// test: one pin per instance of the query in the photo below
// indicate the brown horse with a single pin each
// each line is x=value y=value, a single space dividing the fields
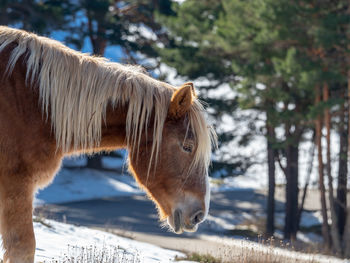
x=56 y=102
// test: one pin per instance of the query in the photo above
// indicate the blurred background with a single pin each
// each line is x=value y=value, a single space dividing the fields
x=275 y=77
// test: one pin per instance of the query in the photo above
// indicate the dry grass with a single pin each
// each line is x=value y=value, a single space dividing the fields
x=231 y=254
x=265 y=251
x=199 y=258
x=41 y=220
x=256 y=256
x=247 y=256
x=94 y=254
x=253 y=229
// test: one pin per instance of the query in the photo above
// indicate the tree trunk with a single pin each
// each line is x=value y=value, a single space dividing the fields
x=334 y=229
x=270 y=223
x=97 y=36
x=325 y=227
x=307 y=182
x=347 y=235
x=292 y=190
x=347 y=223
x=342 y=171
x=98 y=45
x=94 y=162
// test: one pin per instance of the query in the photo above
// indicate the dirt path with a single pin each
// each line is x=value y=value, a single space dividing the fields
x=138 y=214
x=187 y=244
x=136 y=217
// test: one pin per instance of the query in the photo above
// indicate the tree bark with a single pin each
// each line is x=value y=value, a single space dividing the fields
x=325 y=226
x=97 y=37
x=341 y=203
x=334 y=229
x=347 y=235
x=347 y=224
x=99 y=45
x=270 y=223
x=292 y=191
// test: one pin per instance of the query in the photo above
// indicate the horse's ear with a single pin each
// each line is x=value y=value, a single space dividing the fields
x=192 y=88
x=181 y=101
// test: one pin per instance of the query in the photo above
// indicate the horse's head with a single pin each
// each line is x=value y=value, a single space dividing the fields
x=177 y=179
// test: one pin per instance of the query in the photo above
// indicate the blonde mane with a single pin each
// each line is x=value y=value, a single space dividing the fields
x=75 y=90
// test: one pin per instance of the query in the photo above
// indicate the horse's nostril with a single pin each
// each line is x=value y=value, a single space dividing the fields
x=198 y=217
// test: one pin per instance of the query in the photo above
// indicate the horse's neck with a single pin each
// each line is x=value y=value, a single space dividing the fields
x=113 y=129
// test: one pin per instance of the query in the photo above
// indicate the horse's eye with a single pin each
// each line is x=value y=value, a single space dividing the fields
x=187 y=148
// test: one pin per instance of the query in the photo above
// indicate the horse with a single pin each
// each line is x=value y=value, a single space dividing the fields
x=56 y=102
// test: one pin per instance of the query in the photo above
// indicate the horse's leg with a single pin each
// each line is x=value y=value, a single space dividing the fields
x=16 y=219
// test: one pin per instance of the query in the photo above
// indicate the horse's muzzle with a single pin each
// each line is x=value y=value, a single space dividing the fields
x=180 y=223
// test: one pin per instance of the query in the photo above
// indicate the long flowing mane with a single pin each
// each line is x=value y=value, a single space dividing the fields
x=75 y=90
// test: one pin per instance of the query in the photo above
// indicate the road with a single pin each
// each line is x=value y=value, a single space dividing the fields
x=138 y=214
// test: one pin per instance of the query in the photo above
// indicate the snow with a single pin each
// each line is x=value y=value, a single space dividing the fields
x=142 y=31
x=75 y=161
x=247 y=181
x=76 y=183
x=227 y=221
x=84 y=184
x=311 y=219
x=179 y=1
x=309 y=237
x=224 y=92
x=53 y=239
x=113 y=163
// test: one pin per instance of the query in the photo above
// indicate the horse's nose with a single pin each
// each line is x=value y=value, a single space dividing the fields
x=197 y=217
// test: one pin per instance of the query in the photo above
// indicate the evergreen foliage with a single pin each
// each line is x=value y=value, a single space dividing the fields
x=39 y=16
x=286 y=62
x=276 y=55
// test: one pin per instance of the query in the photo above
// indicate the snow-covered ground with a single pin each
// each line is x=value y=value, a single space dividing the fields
x=226 y=222
x=79 y=184
x=84 y=184
x=55 y=240
x=247 y=181
x=59 y=242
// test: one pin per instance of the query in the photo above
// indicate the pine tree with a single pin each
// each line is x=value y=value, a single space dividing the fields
x=38 y=16
x=291 y=47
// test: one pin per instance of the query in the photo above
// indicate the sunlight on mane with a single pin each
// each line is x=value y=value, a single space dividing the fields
x=75 y=90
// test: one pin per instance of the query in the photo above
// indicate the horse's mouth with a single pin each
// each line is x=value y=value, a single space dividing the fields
x=176 y=222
